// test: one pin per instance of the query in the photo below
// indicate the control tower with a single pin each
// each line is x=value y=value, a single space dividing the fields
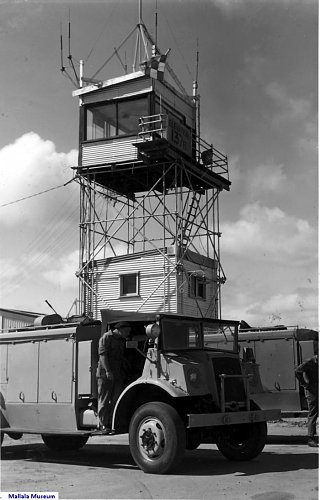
x=149 y=208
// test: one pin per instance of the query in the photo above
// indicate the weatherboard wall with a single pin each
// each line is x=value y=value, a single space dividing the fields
x=163 y=286
x=192 y=306
x=155 y=293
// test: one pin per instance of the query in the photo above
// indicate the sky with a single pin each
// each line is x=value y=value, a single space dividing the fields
x=258 y=70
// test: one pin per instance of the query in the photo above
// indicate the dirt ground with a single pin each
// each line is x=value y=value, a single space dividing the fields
x=287 y=469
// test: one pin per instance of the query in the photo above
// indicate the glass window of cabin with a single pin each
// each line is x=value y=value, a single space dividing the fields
x=115 y=118
x=129 y=113
x=101 y=121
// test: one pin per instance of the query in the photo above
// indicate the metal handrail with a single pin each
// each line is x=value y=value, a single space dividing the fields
x=204 y=152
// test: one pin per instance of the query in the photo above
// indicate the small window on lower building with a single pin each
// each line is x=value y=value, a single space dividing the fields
x=197 y=286
x=129 y=284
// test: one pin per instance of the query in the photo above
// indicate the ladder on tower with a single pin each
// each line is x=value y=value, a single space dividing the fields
x=192 y=211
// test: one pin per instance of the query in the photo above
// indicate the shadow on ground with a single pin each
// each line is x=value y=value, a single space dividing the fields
x=200 y=462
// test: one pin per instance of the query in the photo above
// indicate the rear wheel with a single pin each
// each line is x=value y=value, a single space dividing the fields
x=58 y=442
x=157 y=438
x=242 y=442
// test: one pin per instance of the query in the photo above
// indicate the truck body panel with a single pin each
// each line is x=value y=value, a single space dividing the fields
x=48 y=383
x=276 y=354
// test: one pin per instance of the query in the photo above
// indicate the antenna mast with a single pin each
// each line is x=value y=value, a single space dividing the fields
x=196 y=96
x=63 y=68
x=156 y=27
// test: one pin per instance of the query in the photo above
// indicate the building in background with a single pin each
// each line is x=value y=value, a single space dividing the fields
x=13 y=318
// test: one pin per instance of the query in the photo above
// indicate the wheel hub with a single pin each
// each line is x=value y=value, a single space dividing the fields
x=151 y=438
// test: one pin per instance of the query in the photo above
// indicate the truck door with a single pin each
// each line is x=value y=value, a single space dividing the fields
x=277 y=361
x=56 y=371
x=22 y=373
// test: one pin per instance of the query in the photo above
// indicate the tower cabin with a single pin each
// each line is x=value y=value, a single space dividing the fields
x=138 y=145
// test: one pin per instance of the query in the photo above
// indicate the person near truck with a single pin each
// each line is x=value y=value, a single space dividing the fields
x=308 y=376
x=111 y=372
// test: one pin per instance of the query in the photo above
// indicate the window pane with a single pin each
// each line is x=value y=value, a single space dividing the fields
x=101 y=121
x=129 y=284
x=180 y=334
x=218 y=337
x=129 y=113
x=197 y=287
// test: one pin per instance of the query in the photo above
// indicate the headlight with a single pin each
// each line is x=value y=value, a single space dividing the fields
x=153 y=331
x=193 y=377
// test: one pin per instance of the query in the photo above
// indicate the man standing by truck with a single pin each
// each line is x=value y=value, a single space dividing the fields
x=308 y=376
x=110 y=372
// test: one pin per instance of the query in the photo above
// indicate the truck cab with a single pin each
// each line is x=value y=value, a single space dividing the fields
x=179 y=392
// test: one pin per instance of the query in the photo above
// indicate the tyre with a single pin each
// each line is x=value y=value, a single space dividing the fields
x=58 y=442
x=193 y=439
x=157 y=438
x=15 y=435
x=242 y=442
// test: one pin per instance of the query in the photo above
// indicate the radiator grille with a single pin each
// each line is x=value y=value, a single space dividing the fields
x=234 y=387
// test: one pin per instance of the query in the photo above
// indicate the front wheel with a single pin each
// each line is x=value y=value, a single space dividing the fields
x=157 y=438
x=59 y=442
x=193 y=439
x=243 y=441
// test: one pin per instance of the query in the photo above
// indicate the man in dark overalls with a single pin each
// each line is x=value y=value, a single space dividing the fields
x=308 y=376
x=111 y=372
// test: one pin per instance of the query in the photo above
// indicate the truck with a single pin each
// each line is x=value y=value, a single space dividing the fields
x=180 y=392
x=270 y=355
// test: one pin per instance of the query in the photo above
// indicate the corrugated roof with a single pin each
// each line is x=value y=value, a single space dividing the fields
x=23 y=313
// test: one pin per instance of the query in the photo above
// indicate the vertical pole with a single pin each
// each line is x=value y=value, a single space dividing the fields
x=156 y=27
x=81 y=235
x=219 y=265
x=128 y=226
x=196 y=100
x=222 y=395
x=164 y=237
x=94 y=285
x=140 y=28
x=81 y=73
x=144 y=222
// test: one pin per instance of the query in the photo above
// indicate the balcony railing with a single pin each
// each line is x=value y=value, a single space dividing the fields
x=163 y=126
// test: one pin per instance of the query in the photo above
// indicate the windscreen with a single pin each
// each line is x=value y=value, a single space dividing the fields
x=218 y=336
x=178 y=334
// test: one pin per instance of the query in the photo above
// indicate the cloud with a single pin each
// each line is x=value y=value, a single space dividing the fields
x=254 y=69
x=28 y=166
x=16 y=14
x=39 y=233
x=263 y=232
x=228 y=6
x=296 y=308
x=288 y=108
x=264 y=307
x=62 y=271
x=267 y=178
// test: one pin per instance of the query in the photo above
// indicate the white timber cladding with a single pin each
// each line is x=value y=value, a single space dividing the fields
x=131 y=88
x=197 y=307
x=155 y=293
x=111 y=151
x=160 y=287
x=176 y=102
x=8 y=323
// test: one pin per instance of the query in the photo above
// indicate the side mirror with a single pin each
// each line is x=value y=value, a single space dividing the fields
x=131 y=344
